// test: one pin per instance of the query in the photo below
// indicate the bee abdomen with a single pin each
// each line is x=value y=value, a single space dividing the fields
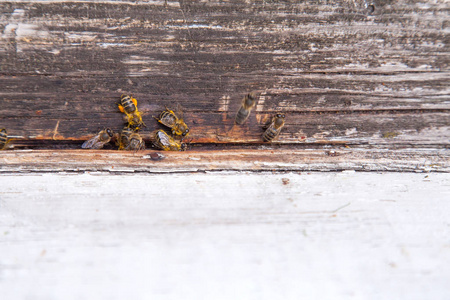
x=128 y=105
x=242 y=115
x=3 y=138
x=168 y=119
x=270 y=134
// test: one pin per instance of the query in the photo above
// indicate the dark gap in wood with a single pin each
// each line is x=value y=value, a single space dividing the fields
x=44 y=144
x=319 y=72
x=96 y=171
x=47 y=144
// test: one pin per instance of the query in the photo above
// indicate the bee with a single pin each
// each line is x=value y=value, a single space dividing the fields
x=170 y=119
x=124 y=138
x=3 y=138
x=99 y=140
x=130 y=140
x=135 y=142
x=274 y=128
x=167 y=143
x=248 y=102
x=128 y=105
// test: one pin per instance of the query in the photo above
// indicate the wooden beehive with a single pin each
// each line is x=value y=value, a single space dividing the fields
x=349 y=75
x=364 y=86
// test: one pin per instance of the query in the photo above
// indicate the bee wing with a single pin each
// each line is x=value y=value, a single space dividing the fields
x=98 y=145
x=267 y=122
x=179 y=111
x=270 y=127
x=164 y=138
x=92 y=143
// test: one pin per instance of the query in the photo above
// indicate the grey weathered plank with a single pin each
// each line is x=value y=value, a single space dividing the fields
x=228 y=235
x=262 y=159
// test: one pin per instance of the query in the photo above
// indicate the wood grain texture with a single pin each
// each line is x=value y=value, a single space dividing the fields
x=341 y=72
x=117 y=162
x=230 y=235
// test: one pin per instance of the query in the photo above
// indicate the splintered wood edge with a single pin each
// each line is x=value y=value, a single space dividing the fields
x=149 y=161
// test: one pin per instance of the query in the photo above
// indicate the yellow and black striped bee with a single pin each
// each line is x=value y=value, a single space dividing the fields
x=3 y=138
x=98 y=141
x=165 y=142
x=128 y=105
x=135 y=142
x=130 y=140
x=124 y=138
x=176 y=123
x=274 y=128
x=248 y=102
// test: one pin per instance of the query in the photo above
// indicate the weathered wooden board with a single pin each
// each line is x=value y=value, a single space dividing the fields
x=80 y=161
x=230 y=235
x=343 y=71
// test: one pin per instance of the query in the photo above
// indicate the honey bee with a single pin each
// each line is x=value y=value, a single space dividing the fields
x=130 y=140
x=167 y=143
x=99 y=140
x=170 y=119
x=128 y=105
x=124 y=138
x=248 y=102
x=135 y=142
x=3 y=138
x=274 y=128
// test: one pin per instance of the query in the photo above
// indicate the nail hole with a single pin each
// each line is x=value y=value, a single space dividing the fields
x=371 y=8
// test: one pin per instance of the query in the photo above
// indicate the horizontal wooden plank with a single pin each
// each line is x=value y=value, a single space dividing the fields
x=352 y=127
x=227 y=235
x=342 y=71
x=262 y=159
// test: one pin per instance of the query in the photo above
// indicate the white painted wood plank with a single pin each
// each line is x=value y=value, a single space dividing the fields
x=225 y=236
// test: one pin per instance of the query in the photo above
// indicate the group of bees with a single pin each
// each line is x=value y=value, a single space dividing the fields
x=248 y=103
x=130 y=139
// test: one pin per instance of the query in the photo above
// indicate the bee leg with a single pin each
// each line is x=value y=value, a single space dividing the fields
x=169 y=110
x=121 y=108
x=134 y=101
x=4 y=146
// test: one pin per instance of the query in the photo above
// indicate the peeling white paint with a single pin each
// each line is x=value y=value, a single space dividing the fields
x=55 y=51
x=107 y=45
x=321 y=135
x=224 y=103
x=144 y=60
x=24 y=31
x=321 y=100
x=18 y=13
x=351 y=131
x=30 y=30
x=261 y=101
